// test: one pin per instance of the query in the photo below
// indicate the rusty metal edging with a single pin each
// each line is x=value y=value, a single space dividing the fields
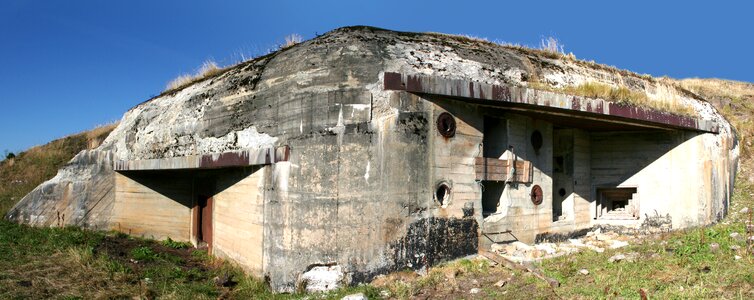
x=551 y=101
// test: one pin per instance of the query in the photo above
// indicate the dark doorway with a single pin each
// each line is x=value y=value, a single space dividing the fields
x=204 y=221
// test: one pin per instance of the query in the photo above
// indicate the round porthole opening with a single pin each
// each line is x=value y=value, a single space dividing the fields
x=536 y=195
x=561 y=192
x=446 y=125
x=442 y=194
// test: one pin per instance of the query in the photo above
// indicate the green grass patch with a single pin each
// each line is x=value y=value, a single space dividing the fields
x=175 y=244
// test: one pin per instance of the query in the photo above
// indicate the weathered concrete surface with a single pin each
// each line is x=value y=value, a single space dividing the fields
x=357 y=192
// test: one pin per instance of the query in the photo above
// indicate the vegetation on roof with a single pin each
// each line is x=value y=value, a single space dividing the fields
x=620 y=95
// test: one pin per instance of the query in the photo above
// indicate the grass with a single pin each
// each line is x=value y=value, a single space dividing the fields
x=210 y=68
x=72 y=263
x=620 y=95
x=207 y=70
x=679 y=265
x=22 y=173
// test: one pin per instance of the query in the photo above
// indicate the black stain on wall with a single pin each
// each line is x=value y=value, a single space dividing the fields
x=413 y=123
x=427 y=242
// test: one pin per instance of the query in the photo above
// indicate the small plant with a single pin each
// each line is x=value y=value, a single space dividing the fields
x=143 y=254
x=170 y=243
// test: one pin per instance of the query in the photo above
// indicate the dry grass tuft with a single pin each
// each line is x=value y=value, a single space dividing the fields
x=208 y=69
x=181 y=80
x=620 y=95
x=291 y=40
x=552 y=45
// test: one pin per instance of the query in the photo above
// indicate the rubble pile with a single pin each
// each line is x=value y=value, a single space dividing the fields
x=595 y=240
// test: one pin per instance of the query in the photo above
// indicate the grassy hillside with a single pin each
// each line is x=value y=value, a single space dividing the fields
x=19 y=175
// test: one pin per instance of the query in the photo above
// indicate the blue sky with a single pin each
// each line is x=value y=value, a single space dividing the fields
x=67 y=66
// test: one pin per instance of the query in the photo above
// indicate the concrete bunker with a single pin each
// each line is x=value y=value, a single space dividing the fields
x=365 y=151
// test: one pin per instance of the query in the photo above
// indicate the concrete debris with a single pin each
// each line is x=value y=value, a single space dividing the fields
x=475 y=291
x=618 y=244
x=548 y=248
x=322 y=278
x=358 y=296
x=745 y=210
x=736 y=257
x=584 y=272
x=736 y=236
x=522 y=246
x=595 y=240
x=617 y=258
x=497 y=247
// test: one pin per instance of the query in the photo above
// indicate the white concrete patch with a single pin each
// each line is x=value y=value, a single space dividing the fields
x=322 y=278
x=366 y=173
x=248 y=138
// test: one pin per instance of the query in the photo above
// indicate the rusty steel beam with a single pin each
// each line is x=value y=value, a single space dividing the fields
x=522 y=98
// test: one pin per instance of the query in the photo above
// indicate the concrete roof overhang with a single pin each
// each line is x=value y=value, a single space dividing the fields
x=241 y=158
x=561 y=109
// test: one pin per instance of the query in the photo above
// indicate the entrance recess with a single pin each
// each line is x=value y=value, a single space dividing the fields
x=204 y=221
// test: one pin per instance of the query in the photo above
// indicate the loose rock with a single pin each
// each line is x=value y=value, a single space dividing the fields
x=475 y=291
x=522 y=246
x=584 y=272
x=501 y=283
x=359 y=296
x=714 y=247
x=616 y=258
x=618 y=244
